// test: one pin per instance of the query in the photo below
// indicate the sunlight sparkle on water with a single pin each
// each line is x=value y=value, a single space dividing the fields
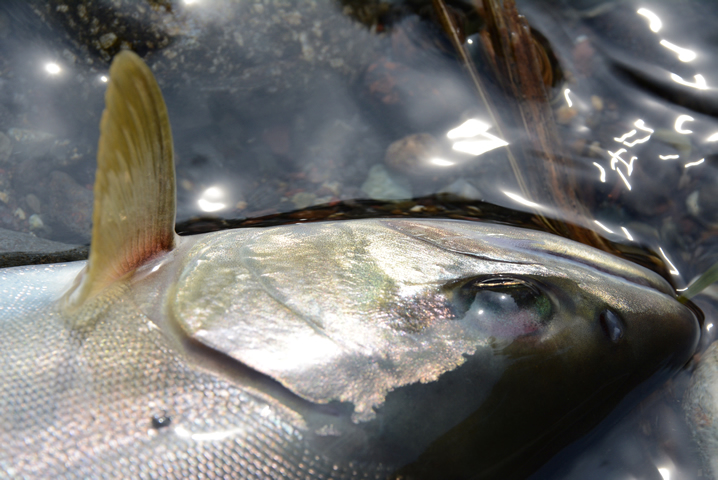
x=52 y=68
x=684 y=54
x=699 y=82
x=679 y=124
x=603 y=226
x=211 y=200
x=521 y=200
x=693 y=164
x=440 y=162
x=654 y=22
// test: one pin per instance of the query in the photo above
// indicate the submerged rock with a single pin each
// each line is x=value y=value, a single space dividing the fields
x=381 y=185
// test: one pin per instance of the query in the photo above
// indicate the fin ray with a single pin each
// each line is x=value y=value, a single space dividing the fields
x=135 y=197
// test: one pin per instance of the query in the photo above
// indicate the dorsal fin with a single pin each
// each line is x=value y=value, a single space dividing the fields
x=134 y=206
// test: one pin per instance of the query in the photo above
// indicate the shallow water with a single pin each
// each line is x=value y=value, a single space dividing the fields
x=277 y=108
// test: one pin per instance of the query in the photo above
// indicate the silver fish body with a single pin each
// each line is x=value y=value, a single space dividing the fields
x=701 y=408
x=358 y=349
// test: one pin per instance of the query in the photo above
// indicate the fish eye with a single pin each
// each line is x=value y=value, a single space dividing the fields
x=504 y=307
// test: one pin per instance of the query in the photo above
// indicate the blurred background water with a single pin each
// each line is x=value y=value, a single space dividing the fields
x=299 y=110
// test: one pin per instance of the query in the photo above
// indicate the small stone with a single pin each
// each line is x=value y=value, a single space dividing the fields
x=692 y=204
x=462 y=189
x=186 y=184
x=107 y=40
x=679 y=141
x=4 y=197
x=411 y=153
x=333 y=187
x=381 y=185
x=303 y=200
x=20 y=213
x=33 y=202
x=565 y=114
x=597 y=102
x=35 y=222
x=307 y=49
x=322 y=200
x=31 y=143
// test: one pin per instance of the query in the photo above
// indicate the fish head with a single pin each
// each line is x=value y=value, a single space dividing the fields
x=584 y=331
x=464 y=337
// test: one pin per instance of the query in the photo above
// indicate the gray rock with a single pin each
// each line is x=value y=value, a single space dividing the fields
x=381 y=185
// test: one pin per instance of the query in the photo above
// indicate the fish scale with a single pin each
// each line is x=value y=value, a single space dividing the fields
x=83 y=406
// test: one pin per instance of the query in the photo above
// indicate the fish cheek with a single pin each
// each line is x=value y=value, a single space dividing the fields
x=561 y=377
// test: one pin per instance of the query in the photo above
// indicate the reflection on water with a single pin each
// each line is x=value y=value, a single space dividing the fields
x=277 y=109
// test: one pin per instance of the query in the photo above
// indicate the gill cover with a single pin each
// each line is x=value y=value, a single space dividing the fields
x=134 y=210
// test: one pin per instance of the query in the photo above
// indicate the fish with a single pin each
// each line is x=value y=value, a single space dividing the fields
x=376 y=348
x=701 y=406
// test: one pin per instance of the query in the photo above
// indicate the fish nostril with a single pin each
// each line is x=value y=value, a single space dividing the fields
x=612 y=325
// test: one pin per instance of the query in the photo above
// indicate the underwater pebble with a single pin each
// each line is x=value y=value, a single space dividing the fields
x=462 y=189
x=303 y=199
x=679 y=141
x=381 y=185
x=31 y=143
x=565 y=114
x=35 y=222
x=411 y=153
x=33 y=202
x=597 y=102
x=20 y=213
x=322 y=200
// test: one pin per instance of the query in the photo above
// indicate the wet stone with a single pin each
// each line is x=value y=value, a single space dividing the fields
x=462 y=189
x=35 y=222
x=303 y=200
x=33 y=202
x=412 y=153
x=381 y=185
x=31 y=143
